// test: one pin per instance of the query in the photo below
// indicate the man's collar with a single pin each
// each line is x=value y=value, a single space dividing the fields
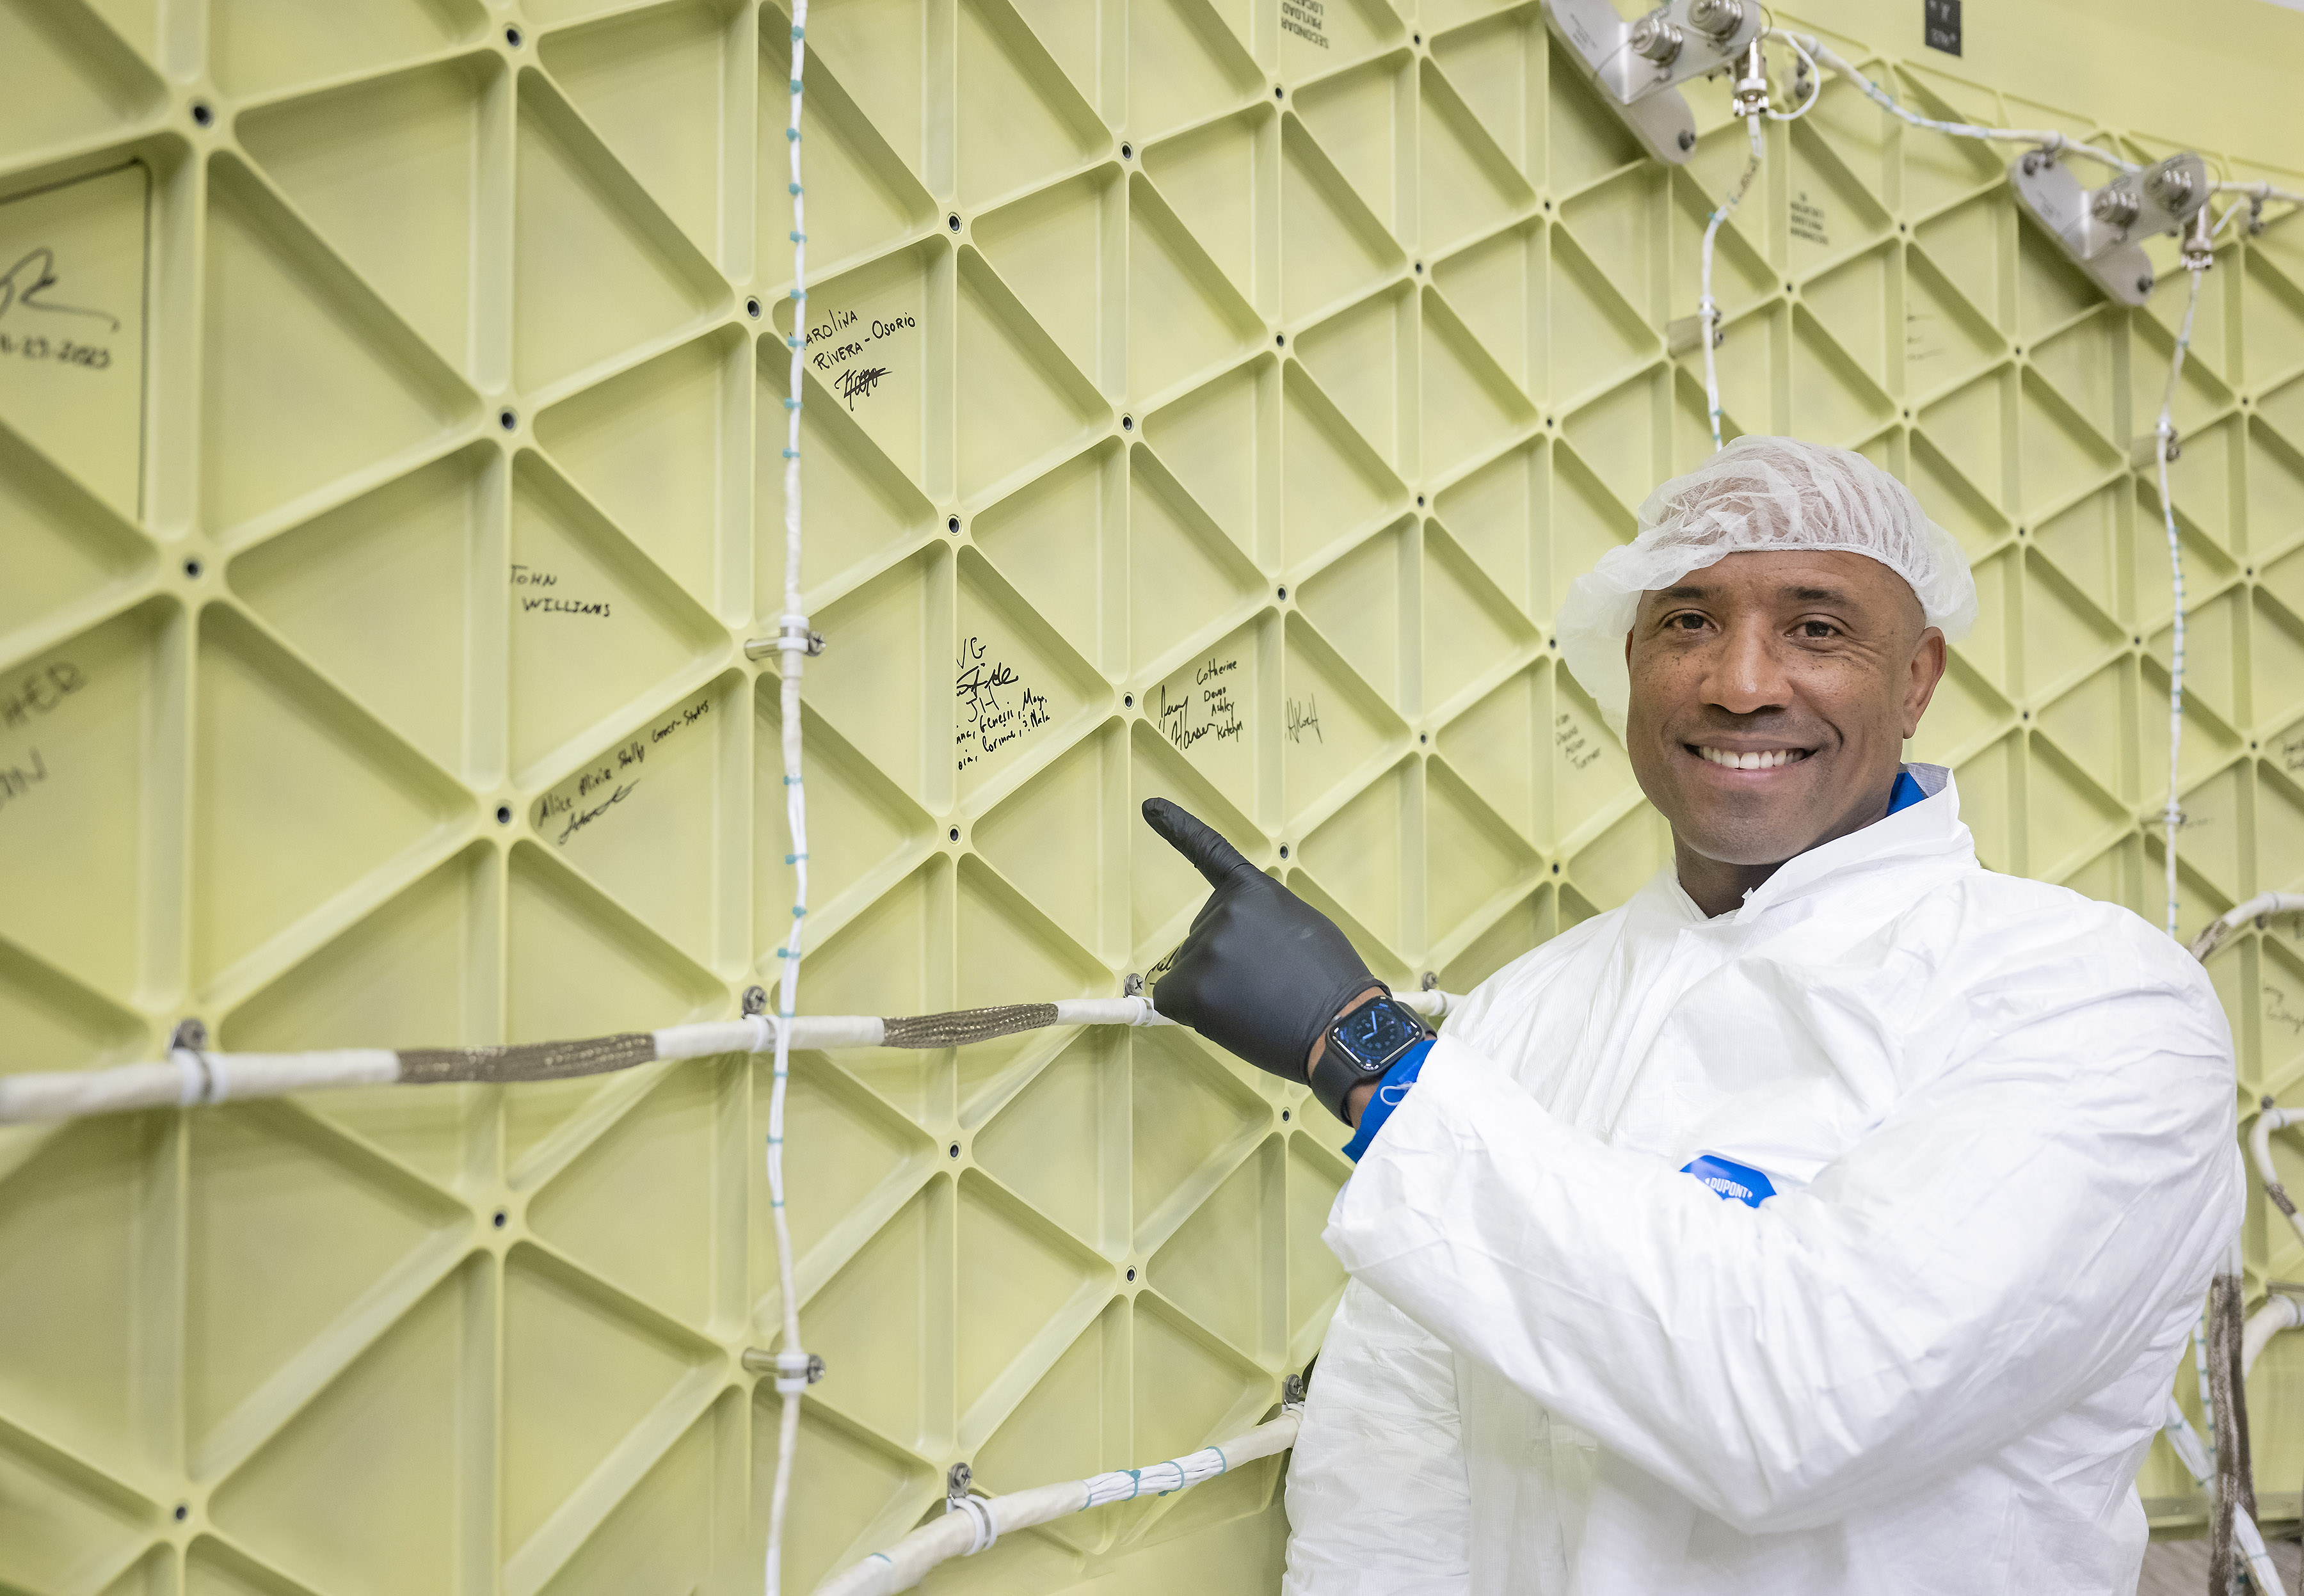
x=1928 y=830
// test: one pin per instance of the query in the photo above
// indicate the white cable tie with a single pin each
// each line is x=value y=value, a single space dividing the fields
x=792 y=1370
x=194 y=1071
x=764 y=1033
x=219 y=1078
x=979 y=1514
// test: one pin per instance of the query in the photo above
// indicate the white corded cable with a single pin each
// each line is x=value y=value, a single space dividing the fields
x=1707 y=309
x=1814 y=79
x=2047 y=139
x=2165 y=434
x=189 y=1078
x=793 y=1363
x=971 y=1524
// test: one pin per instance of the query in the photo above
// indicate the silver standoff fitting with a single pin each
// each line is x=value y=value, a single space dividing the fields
x=1751 y=97
x=1291 y=1392
x=2199 y=247
x=793 y=637
x=795 y=1372
x=959 y=1479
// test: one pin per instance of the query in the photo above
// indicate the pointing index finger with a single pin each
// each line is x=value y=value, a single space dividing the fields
x=1214 y=858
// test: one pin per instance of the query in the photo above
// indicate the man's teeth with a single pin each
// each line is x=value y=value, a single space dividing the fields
x=1759 y=761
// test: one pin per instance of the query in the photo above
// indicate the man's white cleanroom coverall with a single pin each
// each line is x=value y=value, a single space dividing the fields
x=2000 y=1120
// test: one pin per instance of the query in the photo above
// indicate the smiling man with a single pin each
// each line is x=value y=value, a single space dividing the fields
x=1830 y=1217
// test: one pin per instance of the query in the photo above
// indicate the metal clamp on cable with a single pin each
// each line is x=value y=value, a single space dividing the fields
x=957 y=1482
x=795 y=1372
x=793 y=637
x=205 y=1078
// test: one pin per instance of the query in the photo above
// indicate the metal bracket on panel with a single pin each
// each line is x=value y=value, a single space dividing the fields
x=2144 y=450
x=190 y=1035
x=1638 y=66
x=760 y=649
x=2100 y=230
x=1684 y=335
x=759 y=1360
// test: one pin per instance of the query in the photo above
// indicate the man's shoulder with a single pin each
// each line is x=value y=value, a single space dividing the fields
x=2017 y=928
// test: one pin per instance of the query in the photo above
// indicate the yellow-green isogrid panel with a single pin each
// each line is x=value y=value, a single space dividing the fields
x=1206 y=398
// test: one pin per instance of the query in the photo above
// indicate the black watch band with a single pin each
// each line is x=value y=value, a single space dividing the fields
x=1362 y=1043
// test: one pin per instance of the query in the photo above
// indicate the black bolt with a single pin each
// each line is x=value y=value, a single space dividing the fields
x=1419 y=267
x=1284 y=1116
x=955 y=833
x=955 y=1149
x=953 y=221
x=1282 y=591
x=503 y=813
x=1131 y=1274
x=502 y=1219
x=202 y=113
x=1279 y=94
x=192 y=570
x=1687 y=138
x=1283 y=850
x=1424 y=737
x=752 y=309
x=1279 y=340
x=1415 y=39
x=1126 y=152
x=508 y=418
x=1555 y=870
x=183 y=1511
x=511 y=37
x=1128 y=423
x=1128 y=701
x=952 y=525
x=1419 y=501
x=1547 y=204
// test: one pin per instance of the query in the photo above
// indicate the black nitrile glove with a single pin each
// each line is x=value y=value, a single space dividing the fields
x=1261 y=973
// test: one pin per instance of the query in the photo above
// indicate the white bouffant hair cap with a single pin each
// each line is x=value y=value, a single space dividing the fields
x=1770 y=494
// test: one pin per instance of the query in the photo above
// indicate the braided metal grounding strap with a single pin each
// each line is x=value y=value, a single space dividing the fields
x=528 y=1060
x=964 y=1026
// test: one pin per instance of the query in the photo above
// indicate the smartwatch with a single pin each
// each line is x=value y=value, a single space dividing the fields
x=1362 y=1044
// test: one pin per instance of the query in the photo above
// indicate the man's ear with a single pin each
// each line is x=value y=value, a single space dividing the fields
x=1926 y=670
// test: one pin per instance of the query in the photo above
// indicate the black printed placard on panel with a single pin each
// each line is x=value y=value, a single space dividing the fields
x=1940 y=22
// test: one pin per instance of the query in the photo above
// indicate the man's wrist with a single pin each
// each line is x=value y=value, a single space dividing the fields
x=1356 y=1101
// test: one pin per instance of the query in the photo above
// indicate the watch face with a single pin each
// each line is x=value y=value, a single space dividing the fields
x=1375 y=1033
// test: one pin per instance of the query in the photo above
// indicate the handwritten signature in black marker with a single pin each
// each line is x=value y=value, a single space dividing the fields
x=859 y=383
x=584 y=818
x=40 y=264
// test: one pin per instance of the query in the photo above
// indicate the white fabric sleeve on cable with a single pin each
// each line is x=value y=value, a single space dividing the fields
x=1377 y=1502
x=1996 y=1250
